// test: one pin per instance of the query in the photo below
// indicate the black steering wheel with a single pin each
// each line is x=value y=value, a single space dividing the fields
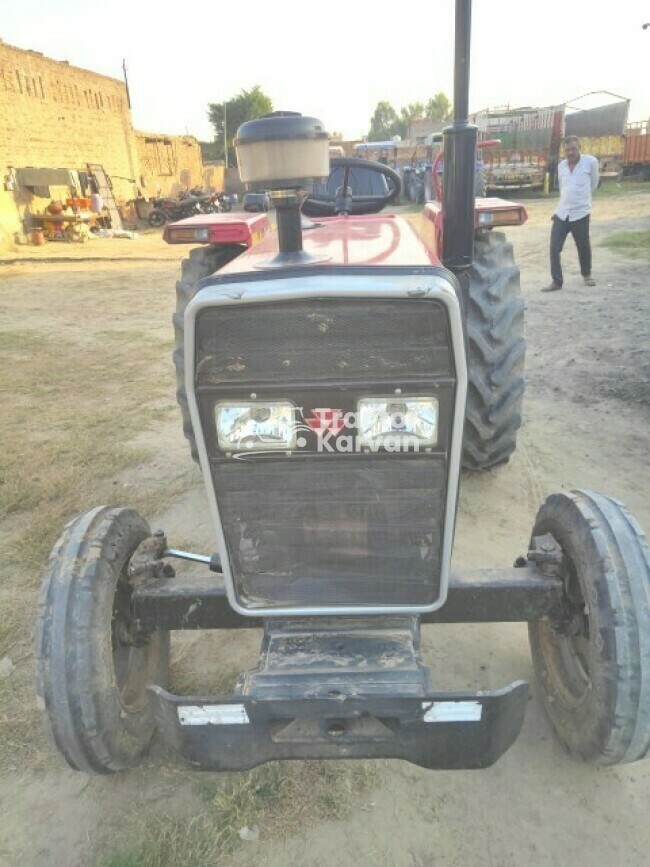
x=344 y=200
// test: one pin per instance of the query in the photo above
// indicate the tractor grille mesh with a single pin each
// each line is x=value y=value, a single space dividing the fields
x=341 y=531
x=322 y=339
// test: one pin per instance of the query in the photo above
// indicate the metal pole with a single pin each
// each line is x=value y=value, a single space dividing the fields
x=214 y=561
x=462 y=55
x=126 y=82
x=459 y=141
x=225 y=132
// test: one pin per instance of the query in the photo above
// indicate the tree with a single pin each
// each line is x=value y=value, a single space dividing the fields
x=438 y=108
x=384 y=122
x=413 y=111
x=247 y=105
x=209 y=151
x=387 y=123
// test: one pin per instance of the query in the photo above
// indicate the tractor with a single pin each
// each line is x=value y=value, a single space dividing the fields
x=334 y=376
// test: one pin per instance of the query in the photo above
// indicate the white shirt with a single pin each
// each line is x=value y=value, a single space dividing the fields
x=576 y=187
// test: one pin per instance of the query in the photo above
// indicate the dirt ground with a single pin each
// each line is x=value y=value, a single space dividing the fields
x=586 y=425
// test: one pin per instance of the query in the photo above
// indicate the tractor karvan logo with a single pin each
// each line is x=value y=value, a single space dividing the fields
x=327 y=423
x=337 y=431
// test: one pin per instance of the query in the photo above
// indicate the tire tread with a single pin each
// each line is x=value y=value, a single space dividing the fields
x=496 y=351
x=201 y=263
x=72 y=676
x=616 y=571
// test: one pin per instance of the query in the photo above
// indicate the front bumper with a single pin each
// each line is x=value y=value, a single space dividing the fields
x=341 y=687
x=447 y=731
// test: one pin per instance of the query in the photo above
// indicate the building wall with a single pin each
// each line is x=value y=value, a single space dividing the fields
x=56 y=115
x=53 y=115
x=214 y=177
x=168 y=164
x=420 y=129
x=9 y=220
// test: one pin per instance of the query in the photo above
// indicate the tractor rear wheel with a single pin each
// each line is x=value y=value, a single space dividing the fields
x=201 y=263
x=593 y=669
x=93 y=666
x=496 y=350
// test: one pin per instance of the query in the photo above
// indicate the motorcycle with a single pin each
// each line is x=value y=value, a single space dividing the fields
x=168 y=210
x=226 y=201
x=210 y=204
x=213 y=203
x=193 y=192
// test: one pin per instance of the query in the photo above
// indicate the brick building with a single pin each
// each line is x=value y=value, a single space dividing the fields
x=54 y=116
x=419 y=130
x=169 y=163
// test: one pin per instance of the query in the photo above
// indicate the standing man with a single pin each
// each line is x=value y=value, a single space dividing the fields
x=578 y=178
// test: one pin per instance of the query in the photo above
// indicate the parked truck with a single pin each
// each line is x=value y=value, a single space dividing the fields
x=636 y=150
x=600 y=130
x=531 y=139
x=529 y=149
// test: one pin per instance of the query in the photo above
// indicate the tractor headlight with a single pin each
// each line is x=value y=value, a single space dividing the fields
x=398 y=421
x=259 y=425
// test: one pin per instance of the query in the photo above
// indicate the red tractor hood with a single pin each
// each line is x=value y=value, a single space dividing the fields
x=378 y=239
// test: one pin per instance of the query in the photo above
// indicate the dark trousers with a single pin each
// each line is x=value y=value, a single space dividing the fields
x=580 y=231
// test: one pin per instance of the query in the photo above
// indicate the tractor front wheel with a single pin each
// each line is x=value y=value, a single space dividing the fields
x=93 y=666
x=496 y=350
x=593 y=667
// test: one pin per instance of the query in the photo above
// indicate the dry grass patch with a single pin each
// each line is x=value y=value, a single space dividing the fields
x=70 y=406
x=276 y=800
x=67 y=412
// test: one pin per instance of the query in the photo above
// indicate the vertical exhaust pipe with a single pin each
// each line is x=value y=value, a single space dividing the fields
x=459 y=142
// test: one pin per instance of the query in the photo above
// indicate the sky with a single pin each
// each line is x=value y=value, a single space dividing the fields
x=336 y=61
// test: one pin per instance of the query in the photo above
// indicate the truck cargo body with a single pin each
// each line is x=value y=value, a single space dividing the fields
x=531 y=141
x=530 y=144
x=600 y=131
x=636 y=155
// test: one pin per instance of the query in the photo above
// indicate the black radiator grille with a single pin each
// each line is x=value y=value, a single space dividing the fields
x=336 y=531
x=322 y=339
